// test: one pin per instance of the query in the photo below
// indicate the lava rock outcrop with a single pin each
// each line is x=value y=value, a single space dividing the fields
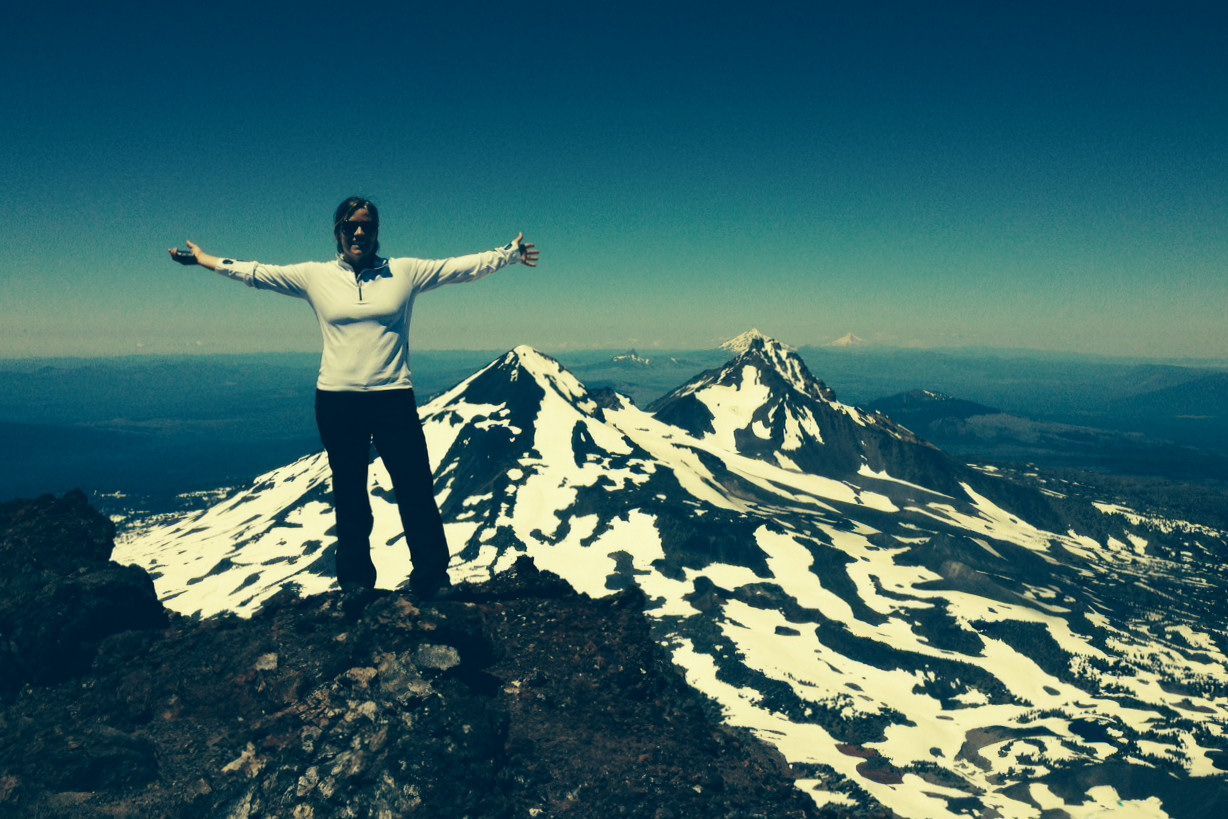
x=514 y=698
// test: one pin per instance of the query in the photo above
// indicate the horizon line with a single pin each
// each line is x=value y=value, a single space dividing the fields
x=852 y=349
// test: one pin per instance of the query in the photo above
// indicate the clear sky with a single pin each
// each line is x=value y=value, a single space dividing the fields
x=1048 y=175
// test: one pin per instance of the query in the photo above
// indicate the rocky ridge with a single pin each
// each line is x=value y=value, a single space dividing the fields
x=519 y=697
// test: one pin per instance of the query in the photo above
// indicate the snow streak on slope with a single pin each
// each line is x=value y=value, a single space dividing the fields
x=909 y=632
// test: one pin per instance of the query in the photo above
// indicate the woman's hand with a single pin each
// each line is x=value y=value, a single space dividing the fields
x=194 y=255
x=528 y=252
x=184 y=256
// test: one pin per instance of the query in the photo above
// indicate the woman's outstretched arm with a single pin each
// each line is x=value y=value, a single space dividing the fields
x=290 y=280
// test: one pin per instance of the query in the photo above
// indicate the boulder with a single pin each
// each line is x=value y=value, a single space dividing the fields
x=60 y=594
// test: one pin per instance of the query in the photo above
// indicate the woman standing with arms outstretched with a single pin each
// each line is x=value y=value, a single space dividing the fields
x=364 y=393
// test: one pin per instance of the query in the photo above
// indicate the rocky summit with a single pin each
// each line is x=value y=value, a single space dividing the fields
x=517 y=697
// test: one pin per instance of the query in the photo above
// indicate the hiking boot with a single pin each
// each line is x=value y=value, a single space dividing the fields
x=356 y=598
x=430 y=589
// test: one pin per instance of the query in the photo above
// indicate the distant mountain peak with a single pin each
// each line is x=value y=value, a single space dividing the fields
x=921 y=406
x=632 y=357
x=849 y=340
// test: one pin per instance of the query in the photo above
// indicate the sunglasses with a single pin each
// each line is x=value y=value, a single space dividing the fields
x=348 y=227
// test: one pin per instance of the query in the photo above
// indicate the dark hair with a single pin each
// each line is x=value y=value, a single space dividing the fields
x=347 y=209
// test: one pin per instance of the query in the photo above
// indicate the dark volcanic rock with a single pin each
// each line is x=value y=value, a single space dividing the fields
x=54 y=534
x=60 y=595
x=610 y=728
x=515 y=698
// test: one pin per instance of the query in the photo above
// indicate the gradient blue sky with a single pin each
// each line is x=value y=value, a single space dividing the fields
x=1038 y=175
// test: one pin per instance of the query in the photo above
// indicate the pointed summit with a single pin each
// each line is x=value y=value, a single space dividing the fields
x=522 y=366
x=770 y=355
x=849 y=340
x=766 y=404
x=740 y=344
x=536 y=363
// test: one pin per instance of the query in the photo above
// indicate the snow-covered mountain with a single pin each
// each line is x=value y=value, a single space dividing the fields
x=632 y=359
x=910 y=632
x=849 y=340
x=765 y=403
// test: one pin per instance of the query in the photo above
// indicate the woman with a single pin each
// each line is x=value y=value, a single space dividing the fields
x=364 y=392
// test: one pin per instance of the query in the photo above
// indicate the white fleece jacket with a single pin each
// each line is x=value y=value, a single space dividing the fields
x=364 y=319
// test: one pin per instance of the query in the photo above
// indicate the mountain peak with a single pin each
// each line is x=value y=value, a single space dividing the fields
x=632 y=358
x=523 y=366
x=542 y=367
x=849 y=340
x=779 y=358
x=528 y=356
x=751 y=338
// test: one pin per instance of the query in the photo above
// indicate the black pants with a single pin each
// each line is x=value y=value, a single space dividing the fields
x=349 y=422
